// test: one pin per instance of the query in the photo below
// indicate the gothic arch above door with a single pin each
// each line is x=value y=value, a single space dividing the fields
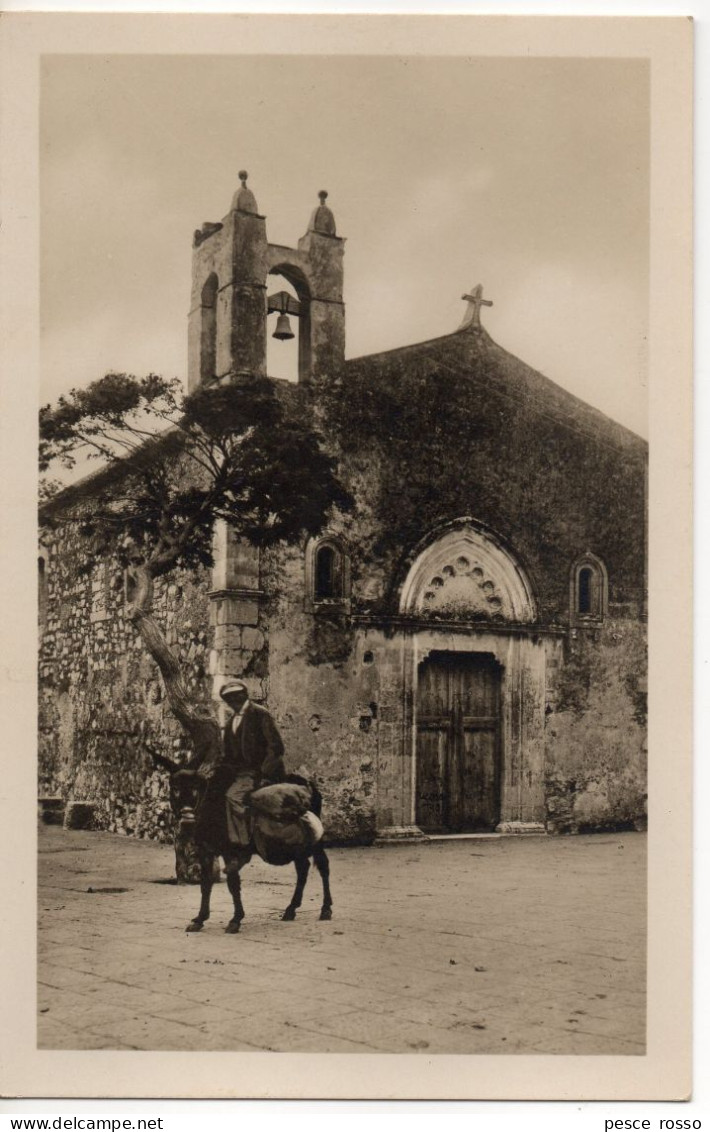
x=467 y=572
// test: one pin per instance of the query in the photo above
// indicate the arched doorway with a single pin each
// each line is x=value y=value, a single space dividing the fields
x=475 y=663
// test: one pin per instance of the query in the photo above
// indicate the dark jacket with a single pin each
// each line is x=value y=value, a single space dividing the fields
x=257 y=747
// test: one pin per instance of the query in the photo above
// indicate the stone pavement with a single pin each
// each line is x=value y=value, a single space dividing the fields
x=492 y=945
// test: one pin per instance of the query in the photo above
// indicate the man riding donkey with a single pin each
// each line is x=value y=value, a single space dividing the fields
x=248 y=803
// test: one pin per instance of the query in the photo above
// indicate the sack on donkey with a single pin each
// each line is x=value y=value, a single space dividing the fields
x=284 y=827
x=283 y=800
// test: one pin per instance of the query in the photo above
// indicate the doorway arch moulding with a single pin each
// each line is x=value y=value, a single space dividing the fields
x=465 y=569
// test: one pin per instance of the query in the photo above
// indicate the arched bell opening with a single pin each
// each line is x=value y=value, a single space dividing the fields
x=288 y=341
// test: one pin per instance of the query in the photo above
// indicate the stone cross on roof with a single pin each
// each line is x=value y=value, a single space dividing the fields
x=472 y=316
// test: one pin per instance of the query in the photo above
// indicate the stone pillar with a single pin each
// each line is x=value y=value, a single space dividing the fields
x=322 y=256
x=232 y=256
x=395 y=760
x=327 y=346
x=241 y=346
x=523 y=725
x=239 y=643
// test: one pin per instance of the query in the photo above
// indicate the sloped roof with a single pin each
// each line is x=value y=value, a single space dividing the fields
x=471 y=355
x=468 y=355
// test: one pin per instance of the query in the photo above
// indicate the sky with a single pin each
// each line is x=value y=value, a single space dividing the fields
x=527 y=175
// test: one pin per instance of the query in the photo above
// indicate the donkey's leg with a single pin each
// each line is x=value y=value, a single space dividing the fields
x=322 y=864
x=302 y=867
x=235 y=861
x=206 y=859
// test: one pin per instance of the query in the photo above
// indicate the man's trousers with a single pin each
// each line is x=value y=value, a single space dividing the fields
x=238 y=830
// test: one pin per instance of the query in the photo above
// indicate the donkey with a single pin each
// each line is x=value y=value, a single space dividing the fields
x=202 y=803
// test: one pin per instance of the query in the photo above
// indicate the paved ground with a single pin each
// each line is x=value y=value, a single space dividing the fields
x=516 y=945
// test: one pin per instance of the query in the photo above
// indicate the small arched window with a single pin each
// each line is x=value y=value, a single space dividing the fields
x=327 y=573
x=328 y=578
x=208 y=329
x=587 y=592
x=588 y=586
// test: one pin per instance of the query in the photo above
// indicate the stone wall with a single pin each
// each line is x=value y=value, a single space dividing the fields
x=596 y=750
x=321 y=690
x=458 y=427
x=101 y=695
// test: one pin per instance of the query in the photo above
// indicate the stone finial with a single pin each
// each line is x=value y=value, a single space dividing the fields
x=322 y=219
x=244 y=199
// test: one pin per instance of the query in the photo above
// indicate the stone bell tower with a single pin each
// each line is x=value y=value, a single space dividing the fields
x=232 y=295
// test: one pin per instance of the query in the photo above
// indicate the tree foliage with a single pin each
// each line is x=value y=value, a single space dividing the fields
x=247 y=454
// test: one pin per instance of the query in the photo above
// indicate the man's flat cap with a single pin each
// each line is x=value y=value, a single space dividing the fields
x=232 y=687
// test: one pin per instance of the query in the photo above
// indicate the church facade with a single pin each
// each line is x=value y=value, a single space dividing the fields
x=464 y=651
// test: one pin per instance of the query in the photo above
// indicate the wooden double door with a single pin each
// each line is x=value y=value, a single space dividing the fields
x=458 y=742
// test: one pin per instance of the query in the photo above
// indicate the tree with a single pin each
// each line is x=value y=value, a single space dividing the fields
x=246 y=453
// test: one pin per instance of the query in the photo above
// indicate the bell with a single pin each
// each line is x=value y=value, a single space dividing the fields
x=283 y=328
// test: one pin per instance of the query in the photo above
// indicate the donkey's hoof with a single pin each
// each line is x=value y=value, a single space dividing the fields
x=232 y=927
x=289 y=914
x=194 y=926
x=326 y=914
